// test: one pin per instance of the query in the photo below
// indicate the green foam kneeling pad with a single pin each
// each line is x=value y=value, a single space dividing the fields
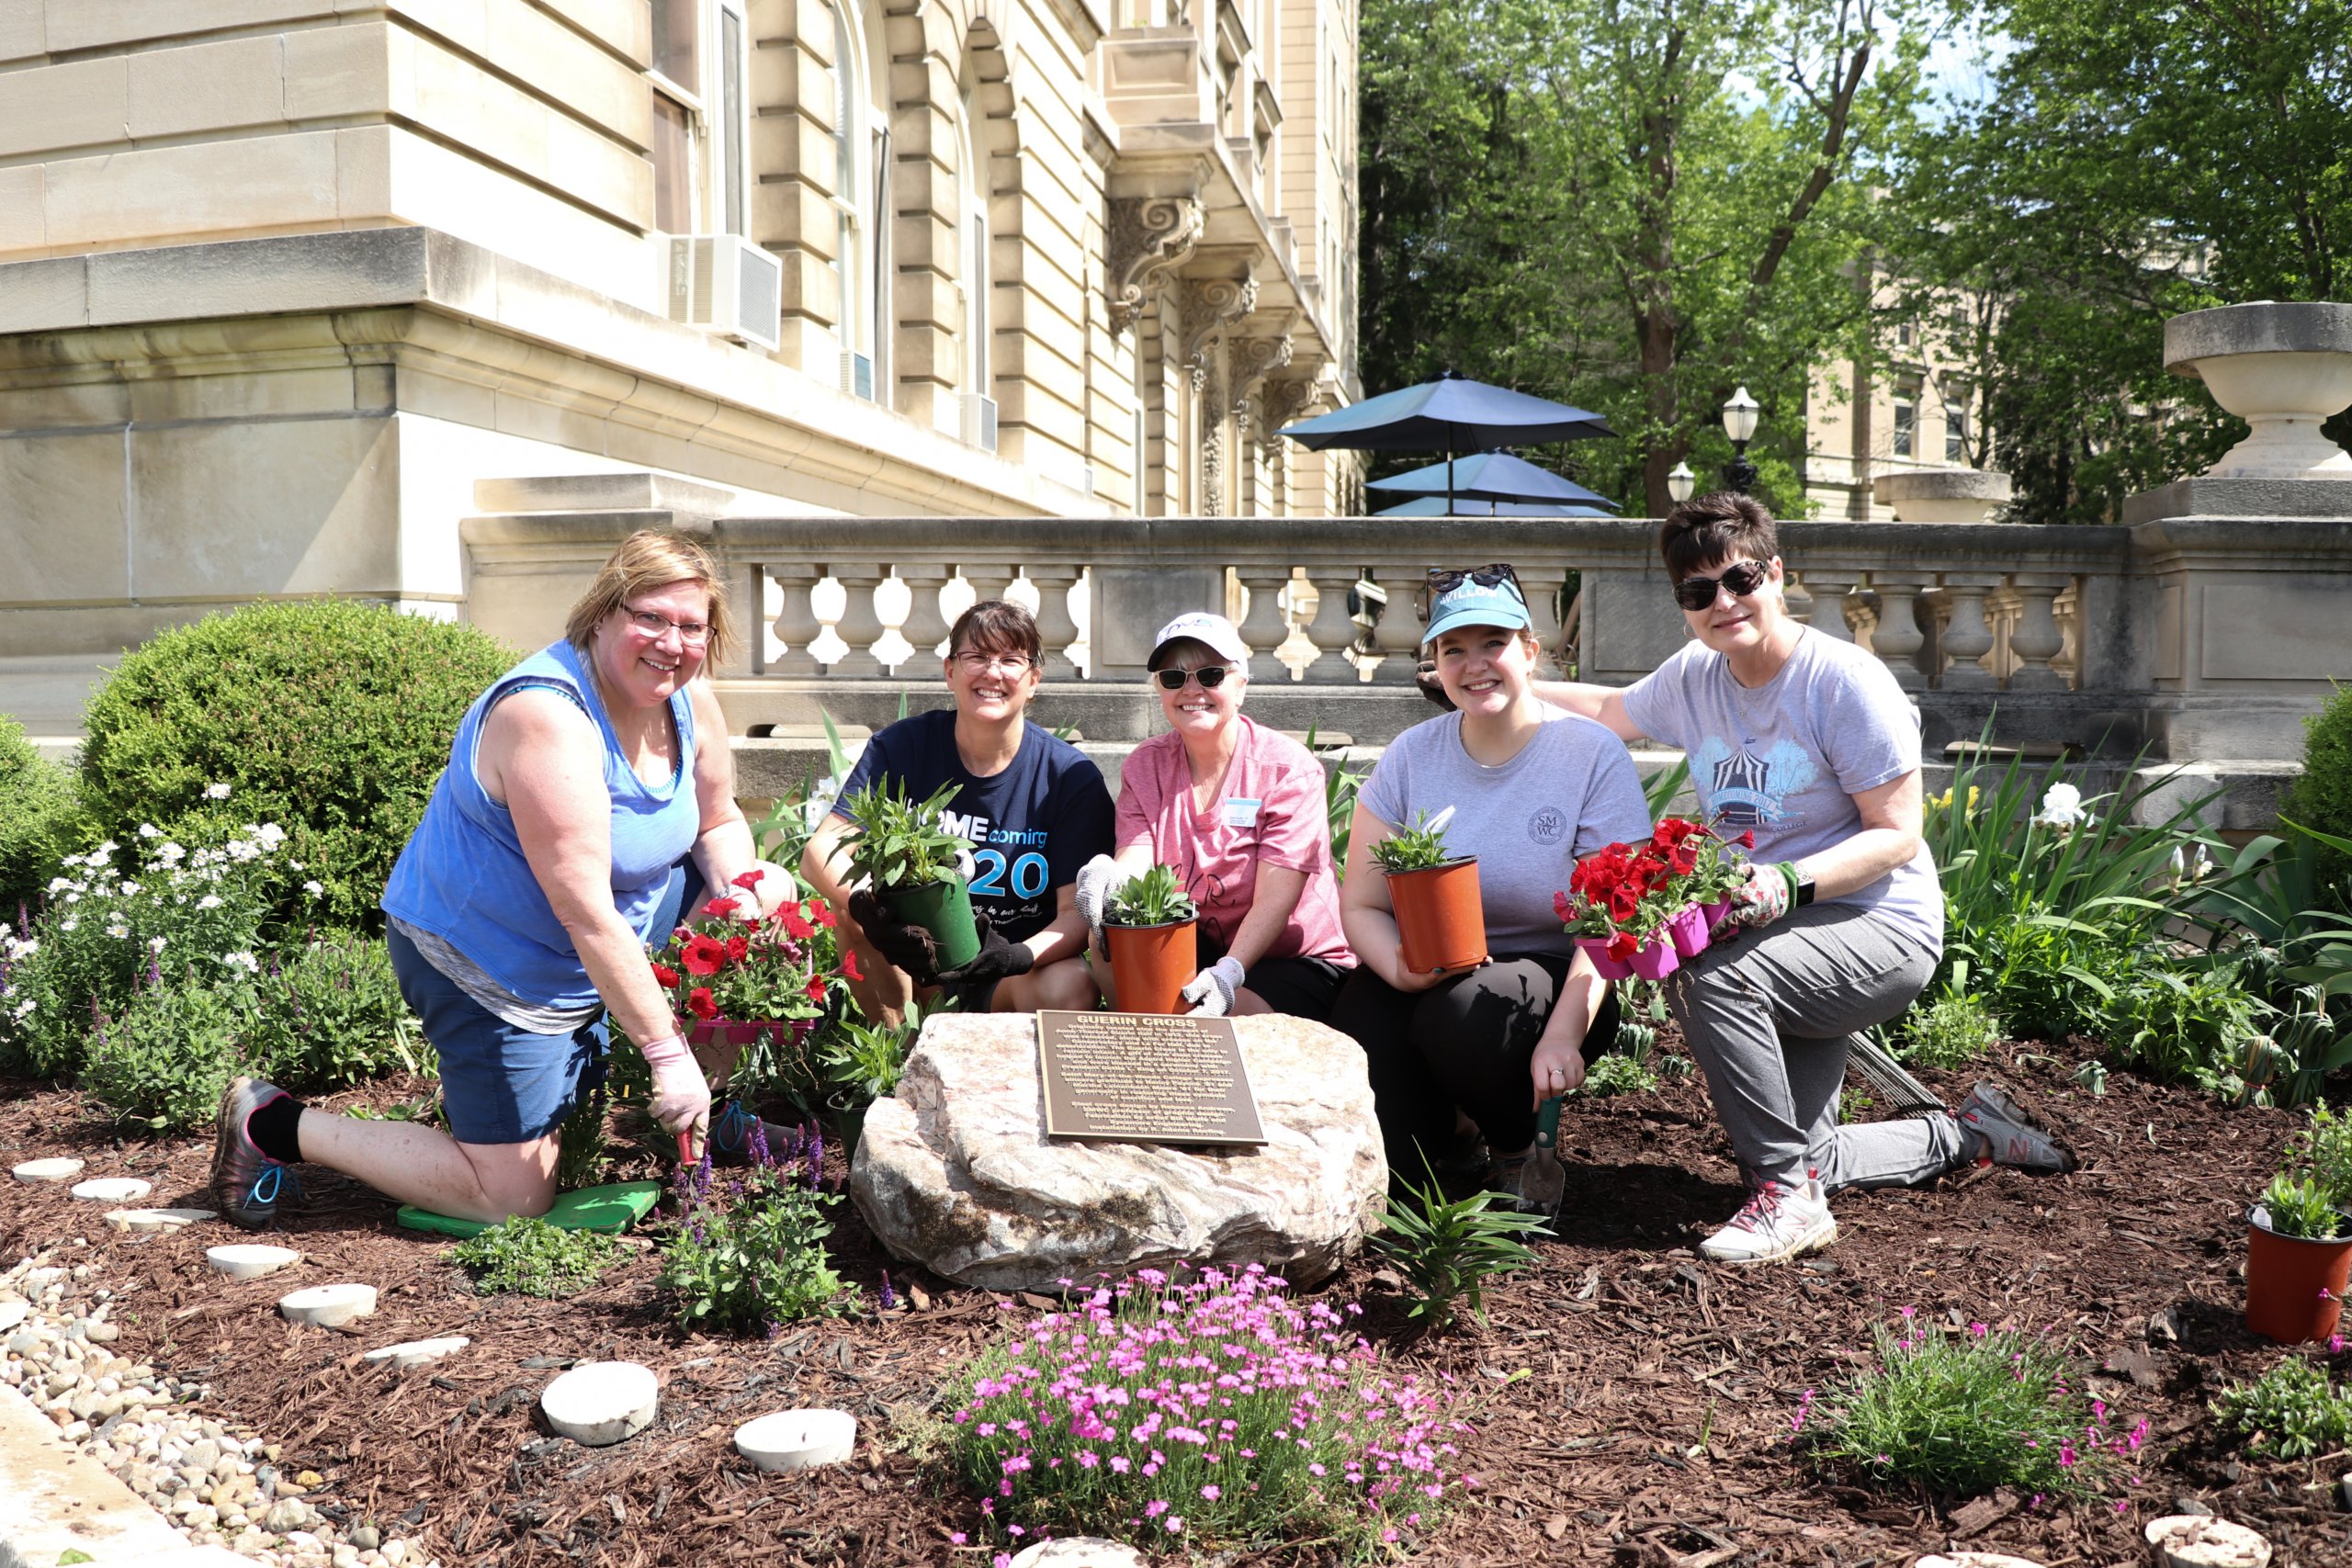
x=613 y=1207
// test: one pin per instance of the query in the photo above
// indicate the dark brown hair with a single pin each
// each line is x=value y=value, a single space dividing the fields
x=646 y=560
x=997 y=626
x=1723 y=527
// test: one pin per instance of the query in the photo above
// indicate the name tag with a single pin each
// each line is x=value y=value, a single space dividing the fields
x=1241 y=812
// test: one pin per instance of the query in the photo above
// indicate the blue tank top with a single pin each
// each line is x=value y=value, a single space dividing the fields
x=463 y=877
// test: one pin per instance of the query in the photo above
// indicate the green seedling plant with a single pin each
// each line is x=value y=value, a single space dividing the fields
x=1417 y=848
x=526 y=1255
x=1155 y=899
x=2290 y=1412
x=2325 y=1150
x=897 y=843
x=1954 y=1030
x=1615 y=1074
x=2301 y=1208
x=1448 y=1249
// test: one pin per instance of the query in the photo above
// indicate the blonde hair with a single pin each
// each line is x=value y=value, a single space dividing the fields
x=646 y=560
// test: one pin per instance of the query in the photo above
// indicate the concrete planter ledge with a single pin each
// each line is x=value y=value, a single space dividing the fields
x=1943 y=495
x=2283 y=368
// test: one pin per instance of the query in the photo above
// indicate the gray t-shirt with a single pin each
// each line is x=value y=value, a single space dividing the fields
x=1569 y=791
x=1788 y=757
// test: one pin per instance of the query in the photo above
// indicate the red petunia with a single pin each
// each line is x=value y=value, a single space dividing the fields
x=1747 y=840
x=700 y=1002
x=849 y=965
x=718 y=908
x=795 y=927
x=749 y=881
x=820 y=912
x=666 y=976
x=703 y=956
x=816 y=988
x=1560 y=906
x=1621 y=946
x=738 y=949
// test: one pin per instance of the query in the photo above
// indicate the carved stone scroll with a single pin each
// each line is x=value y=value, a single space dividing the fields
x=1150 y=238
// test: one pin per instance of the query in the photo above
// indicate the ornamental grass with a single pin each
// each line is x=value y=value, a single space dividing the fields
x=1216 y=1409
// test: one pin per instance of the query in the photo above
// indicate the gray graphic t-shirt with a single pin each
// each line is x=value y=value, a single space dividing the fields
x=1568 y=792
x=1787 y=758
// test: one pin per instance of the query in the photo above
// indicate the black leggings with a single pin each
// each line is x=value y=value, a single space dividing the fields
x=1465 y=1043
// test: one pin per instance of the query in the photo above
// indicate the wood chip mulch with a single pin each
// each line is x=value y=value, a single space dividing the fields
x=1633 y=1403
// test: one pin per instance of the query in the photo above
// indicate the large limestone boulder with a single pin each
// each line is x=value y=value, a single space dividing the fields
x=955 y=1172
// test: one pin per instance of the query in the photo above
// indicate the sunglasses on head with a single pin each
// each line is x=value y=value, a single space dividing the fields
x=1444 y=581
x=1210 y=676
x=1741 y=577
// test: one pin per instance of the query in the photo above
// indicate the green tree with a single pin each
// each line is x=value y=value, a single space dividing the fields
x=1634 y=206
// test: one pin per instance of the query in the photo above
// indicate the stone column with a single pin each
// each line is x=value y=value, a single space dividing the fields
x=1968 y=637
x=1054 y=622
x=859 y=626
x=1897 y=640
x=926 y=629
x=1828 y=588
x=1333 y=630
x=2037 y=641
x=796 y=622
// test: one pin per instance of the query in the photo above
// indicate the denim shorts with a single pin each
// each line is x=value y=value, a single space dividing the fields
x=499 y=1083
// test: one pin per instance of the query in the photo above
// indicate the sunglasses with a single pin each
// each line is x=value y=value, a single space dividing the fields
x=1444 y=581
x=1210 y=676
x=1741 y=577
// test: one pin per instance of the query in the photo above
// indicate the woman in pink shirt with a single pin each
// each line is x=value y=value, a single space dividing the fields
x=1237 y=812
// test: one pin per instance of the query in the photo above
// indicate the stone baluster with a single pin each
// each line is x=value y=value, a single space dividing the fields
x=2035 y=641
x=1399 y=632
x=1542 y=585
x=860 y=626
x=1263 y=627
x=926 y=629
x=1968 y=636
x=1333 y=630
x=796 y=622
x=1828 y=588
x=1897 y=640
x=989 y=581
x=1053 y=623
x=2067 y=610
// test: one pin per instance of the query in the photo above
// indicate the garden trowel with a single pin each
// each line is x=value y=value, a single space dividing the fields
x=1542 y=1184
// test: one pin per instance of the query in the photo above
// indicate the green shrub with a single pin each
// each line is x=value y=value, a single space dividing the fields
x=1964 y=1414
x=2200 y=1025
x=39 y=822
x=332 y=1016
x=167 y=1058
x=753 y=1262
x=2290 y=1411
x=526 y=1255
x=1952 y=1031
x=330 y=719
x=2321 y=797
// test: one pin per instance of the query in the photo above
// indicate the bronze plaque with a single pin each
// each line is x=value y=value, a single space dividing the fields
x=1144 y=1078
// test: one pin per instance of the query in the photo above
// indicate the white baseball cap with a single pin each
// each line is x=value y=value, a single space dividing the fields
x=1200 y=626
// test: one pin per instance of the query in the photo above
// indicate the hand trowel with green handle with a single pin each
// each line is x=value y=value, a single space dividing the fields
x=1542 y=1183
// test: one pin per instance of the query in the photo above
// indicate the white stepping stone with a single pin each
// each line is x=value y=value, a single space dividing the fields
x=417 y=1352
x=797 y=1439
x=113 y=1189
x=12 y=1313
x=250 y=1260
x=328 y=1306
x=601 y=1403
x=2199 y=1540
x=1080 y=1551
x=47 y=1171
x=1974 y=1560
x=158 y=1219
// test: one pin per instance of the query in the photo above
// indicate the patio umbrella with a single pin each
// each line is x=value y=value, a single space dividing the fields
x=1474 y=506
x=1449 y=414
x=1493 y=476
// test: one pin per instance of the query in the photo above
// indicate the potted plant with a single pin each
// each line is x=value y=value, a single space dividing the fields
x=1441 y=925
x=1620 y=903
x=1150 y=927
x=914 y=864
x=1715 y=869
x=2299 y=1238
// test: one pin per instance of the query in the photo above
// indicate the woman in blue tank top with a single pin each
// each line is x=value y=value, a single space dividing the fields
x=587 y=788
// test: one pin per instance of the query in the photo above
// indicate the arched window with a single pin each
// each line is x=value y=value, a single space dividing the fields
x=972 y=273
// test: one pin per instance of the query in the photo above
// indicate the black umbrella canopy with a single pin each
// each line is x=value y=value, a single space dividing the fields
x=1449 y=414
x=1495 y=476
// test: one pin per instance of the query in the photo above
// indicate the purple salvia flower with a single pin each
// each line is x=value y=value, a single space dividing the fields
x=761 y=1157
x=890 y=1296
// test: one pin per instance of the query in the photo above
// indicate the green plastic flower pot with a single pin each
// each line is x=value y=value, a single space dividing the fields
x=943 y=909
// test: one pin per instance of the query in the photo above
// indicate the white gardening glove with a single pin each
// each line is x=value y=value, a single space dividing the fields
x=1211 y=990
x=681 y=1093
x=1097 y=881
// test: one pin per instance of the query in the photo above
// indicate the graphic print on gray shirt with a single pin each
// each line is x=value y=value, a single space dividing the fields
x=1570 y=790
x=1787 y=758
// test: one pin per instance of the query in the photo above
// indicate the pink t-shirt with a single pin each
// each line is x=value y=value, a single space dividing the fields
x=1270 y=808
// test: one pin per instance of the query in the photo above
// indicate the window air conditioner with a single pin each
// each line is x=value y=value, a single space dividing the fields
x=857 y=375
x=727 y=287
x=980 y=422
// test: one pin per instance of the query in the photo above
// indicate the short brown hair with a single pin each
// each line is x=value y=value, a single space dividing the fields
x=646 y=560
x=997 y=626
x=1710 y=528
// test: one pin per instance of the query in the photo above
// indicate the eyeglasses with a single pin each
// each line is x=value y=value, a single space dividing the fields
x=693 y=634
x=1444 y=581
x=1210 y=676
x=1742 y=578
x=989 y=663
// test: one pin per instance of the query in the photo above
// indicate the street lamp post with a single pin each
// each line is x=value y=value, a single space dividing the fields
x=1680 y=482
x=1739 y=424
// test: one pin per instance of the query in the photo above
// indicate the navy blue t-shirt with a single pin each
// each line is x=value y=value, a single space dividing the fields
x=1031 y=827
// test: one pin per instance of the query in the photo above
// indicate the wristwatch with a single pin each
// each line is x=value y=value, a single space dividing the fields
x=1805 y=891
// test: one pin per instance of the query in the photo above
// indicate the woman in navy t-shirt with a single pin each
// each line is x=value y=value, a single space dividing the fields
x=1031 y=806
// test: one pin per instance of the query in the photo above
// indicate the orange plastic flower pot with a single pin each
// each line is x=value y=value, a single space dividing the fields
x=1151 y=964
x=2294 y=1288
x=1439 y=919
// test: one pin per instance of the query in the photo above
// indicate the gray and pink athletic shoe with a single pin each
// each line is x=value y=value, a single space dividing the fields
x=2011 y=1134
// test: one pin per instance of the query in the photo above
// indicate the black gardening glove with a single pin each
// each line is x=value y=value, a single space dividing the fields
x=1425 y=678
x=997 y=960
x=909 y=948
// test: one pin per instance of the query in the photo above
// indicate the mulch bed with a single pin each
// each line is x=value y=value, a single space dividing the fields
x=1633 y=1403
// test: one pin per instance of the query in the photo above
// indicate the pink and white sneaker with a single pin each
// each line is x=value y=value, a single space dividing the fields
x=1780 y=1220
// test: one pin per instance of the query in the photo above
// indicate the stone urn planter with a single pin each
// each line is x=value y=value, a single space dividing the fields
x=2283 y=368
x=1943 y=495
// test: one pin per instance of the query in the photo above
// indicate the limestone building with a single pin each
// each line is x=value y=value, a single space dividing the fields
x=282 y=280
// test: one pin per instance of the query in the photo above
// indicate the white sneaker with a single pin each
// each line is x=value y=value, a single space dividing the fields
x=1778 y=1221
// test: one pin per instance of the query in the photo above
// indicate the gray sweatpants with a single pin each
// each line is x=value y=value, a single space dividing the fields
x=1770 y=1015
